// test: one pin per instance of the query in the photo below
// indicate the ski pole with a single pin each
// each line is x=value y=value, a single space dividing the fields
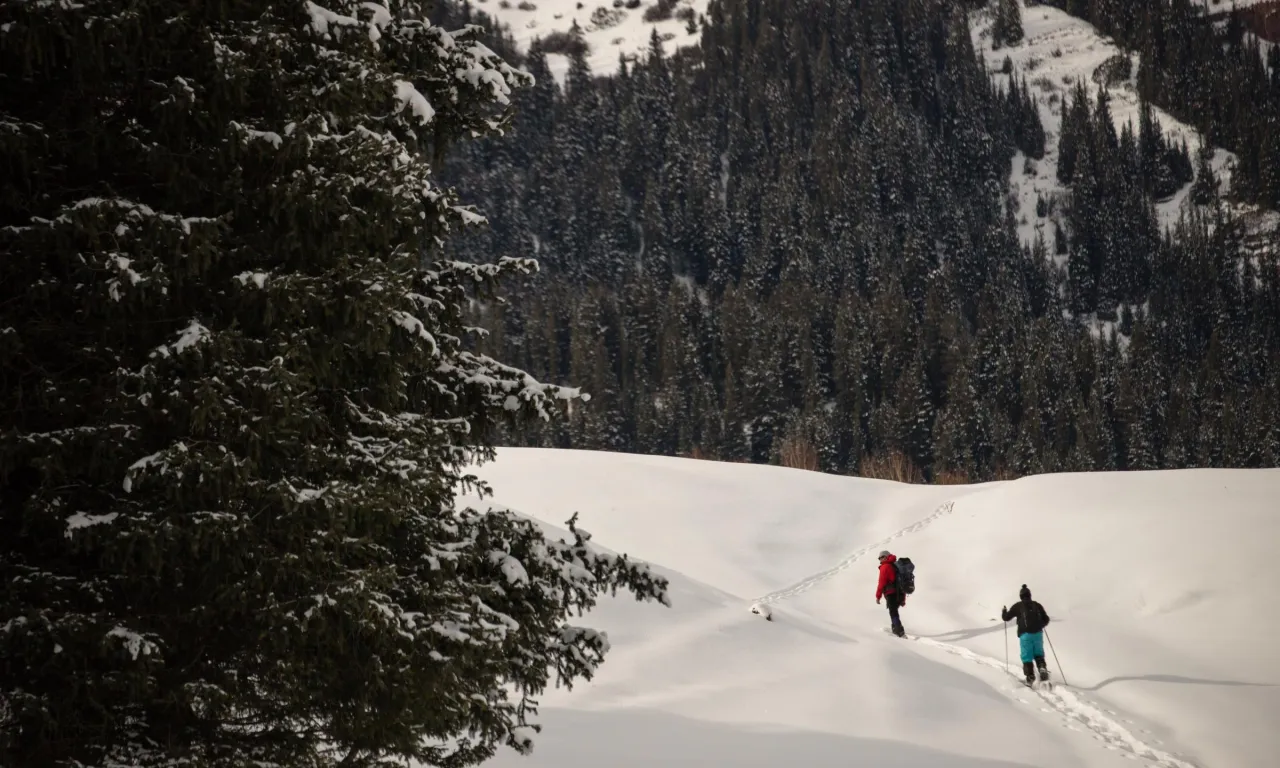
x=1055 y=657
x=1006 y=648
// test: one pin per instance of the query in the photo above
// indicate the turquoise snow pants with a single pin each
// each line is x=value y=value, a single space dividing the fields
x=1031 y=644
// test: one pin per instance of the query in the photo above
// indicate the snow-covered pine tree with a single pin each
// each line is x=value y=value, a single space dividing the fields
x=1007 y=28
x=236 y=402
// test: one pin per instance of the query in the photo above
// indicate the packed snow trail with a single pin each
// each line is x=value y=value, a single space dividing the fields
x=1074 y=707
x=1071 y=706
x=809 y=582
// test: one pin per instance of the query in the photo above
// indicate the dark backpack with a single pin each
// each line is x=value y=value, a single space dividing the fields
x=905 y=575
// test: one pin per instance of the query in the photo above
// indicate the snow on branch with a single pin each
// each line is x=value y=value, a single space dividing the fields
x=416 y=327
x=193 y=334
x=259 y=279
x=507 y=387
x=487 y=69
x=82 y=520
x=409 y=96
x=159 y=462
x=134 y=643
x=248 y=134
x=137 y=212
x=327 y=23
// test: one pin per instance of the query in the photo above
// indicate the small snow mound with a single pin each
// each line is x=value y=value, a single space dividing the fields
x=760 y=609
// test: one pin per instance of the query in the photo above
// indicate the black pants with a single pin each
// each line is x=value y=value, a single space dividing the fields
x=894 y=601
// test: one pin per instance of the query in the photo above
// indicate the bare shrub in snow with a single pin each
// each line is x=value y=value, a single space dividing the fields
x=605 y=18
x=1114 y=70
x=798 y=453
x=661 y=11
x=564 y=44
x=1045 y=84
x=893 y=465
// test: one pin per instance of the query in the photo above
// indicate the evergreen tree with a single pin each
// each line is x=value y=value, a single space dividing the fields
x=833 y=190
x=236 y=404
x=1205 y=189
x=1007 y=29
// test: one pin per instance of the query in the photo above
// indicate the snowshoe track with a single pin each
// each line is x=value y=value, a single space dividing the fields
x=810 y=582
x=1076 y=709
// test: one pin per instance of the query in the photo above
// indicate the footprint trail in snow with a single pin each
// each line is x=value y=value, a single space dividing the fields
x=1060 y=699
x=1076 y=709
x=809 y=582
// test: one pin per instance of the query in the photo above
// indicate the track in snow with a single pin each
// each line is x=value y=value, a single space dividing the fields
x=811 y=581
x=1077 y=710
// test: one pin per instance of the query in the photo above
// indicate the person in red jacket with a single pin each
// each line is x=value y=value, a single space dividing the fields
x=887 y=587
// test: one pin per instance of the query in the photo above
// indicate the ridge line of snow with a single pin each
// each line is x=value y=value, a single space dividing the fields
x=809 y=582
x=1075 y=709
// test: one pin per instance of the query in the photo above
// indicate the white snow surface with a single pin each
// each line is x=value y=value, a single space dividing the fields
x=1161 y=586
x=609 y=31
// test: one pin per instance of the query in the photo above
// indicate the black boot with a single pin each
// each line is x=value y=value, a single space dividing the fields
x=1044 y=669
x=1028 y=671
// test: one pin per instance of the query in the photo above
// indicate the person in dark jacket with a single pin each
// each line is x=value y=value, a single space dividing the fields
x=887 y=587
x=1032 y=619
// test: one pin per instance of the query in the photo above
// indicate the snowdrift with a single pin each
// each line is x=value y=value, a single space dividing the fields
x=1161 y=586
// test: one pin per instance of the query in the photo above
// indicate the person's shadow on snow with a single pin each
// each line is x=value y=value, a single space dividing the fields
x=957 y=635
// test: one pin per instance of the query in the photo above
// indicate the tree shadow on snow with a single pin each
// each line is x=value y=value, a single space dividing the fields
x=645 y=738
x=1175 y=679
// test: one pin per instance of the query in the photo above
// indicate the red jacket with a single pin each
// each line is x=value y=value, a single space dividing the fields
x=887 y=585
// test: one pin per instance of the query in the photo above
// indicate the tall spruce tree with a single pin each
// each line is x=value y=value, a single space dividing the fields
x=236 y=403
x=1007 y=28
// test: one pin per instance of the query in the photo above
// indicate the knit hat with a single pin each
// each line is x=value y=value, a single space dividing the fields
x=1024 y=593
x=883 y=554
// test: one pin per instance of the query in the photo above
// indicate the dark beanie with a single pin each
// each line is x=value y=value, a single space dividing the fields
x=1024 y=593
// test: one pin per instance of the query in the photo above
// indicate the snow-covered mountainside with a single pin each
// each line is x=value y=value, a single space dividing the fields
x=611 y=28
x=1056 y=51
x=1160 y=586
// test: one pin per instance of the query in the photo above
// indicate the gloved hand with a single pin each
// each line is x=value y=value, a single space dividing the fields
x=1003 y=610
x=877 y=601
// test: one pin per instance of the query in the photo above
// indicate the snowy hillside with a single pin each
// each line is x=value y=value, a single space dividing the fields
x=611 y=28
x=1058 y=50
x=1161 y=587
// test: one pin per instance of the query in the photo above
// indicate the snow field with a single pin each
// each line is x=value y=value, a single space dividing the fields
x=610 y=31
x=1159 y=585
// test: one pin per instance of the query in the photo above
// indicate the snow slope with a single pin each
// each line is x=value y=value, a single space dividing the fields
x=608 y=30
x=1161 y=586
x=1058 y=50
